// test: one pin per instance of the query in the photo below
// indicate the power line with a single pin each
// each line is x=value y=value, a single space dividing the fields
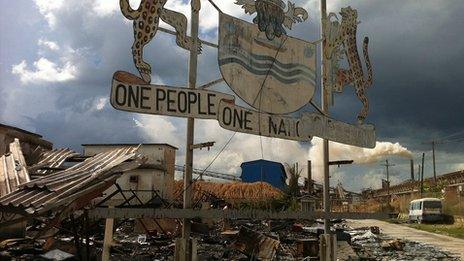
x=451 y=135
x=211 y=163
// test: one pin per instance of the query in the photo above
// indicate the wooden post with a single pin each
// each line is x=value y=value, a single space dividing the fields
x=108 y=239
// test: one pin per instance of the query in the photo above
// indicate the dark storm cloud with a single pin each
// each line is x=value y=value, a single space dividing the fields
x=416 y=49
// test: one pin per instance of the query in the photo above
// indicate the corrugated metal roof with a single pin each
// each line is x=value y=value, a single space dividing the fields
x=52 y=159
x=13 y=169
x=63 y=187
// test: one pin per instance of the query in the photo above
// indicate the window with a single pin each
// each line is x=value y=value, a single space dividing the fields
x=134 y=179
x=432 y=204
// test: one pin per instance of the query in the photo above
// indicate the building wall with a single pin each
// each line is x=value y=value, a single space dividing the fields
x=157 y=173
x=264 y=170
x=29 y=141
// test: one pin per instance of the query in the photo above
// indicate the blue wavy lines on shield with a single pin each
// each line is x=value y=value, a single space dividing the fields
x=260 y=65
x=287 y=78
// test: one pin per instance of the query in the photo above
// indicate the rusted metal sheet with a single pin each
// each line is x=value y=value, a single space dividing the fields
x=65 y=187
x=13 y=171
x=275 y=76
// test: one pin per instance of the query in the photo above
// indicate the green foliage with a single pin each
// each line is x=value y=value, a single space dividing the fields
x=449 y=230
x=435 y=190
x=293 y=190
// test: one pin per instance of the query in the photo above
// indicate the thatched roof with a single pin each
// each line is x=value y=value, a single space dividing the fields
x=233 y=191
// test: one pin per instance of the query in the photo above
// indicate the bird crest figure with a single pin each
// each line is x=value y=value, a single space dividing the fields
x=271 y=16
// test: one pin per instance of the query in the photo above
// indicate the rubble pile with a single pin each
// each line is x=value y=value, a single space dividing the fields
x=228 y=240
x=370 y=244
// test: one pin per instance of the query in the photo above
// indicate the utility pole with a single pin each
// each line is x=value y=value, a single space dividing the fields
x=422 y=176
x=433 y=159
x=325 y=109
x=412 y=169
x=434 y=143
x=327 y=251
x=186 y=254
x=388 y=176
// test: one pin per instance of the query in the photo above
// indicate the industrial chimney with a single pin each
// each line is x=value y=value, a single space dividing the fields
x=310 y=178
x=412 y=169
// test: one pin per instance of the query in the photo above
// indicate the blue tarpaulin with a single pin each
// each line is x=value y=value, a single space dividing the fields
x=264 y=170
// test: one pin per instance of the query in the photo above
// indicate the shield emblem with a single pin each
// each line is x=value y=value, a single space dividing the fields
x=277 y=76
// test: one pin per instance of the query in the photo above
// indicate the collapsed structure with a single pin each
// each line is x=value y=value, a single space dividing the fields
x=73 y=200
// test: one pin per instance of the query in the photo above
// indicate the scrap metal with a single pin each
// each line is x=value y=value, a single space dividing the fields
x=49 y=160
x=72 y=188
x=13 y=171
x=227 y=214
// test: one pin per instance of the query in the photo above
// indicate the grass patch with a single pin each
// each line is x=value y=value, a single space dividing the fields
x=449 y=230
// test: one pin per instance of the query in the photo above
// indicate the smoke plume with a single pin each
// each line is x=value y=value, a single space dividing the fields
x=339 y=151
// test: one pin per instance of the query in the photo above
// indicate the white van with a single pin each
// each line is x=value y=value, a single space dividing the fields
x=426 y=209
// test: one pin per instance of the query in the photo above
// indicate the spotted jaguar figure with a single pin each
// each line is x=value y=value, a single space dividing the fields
x=344 y=41
x=145 y=23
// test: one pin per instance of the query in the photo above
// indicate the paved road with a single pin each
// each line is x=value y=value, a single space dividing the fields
x=451 y=244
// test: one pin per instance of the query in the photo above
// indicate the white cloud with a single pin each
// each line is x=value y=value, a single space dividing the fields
x=47 y=9
x=243 y=147
x=44 y=71
x=48 y=44
x=101 y=103
x=105 y=7
x=158 y=128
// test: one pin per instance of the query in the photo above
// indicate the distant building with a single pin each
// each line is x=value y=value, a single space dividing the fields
x=29 y=141
x=156 y=174
x=264 y=170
